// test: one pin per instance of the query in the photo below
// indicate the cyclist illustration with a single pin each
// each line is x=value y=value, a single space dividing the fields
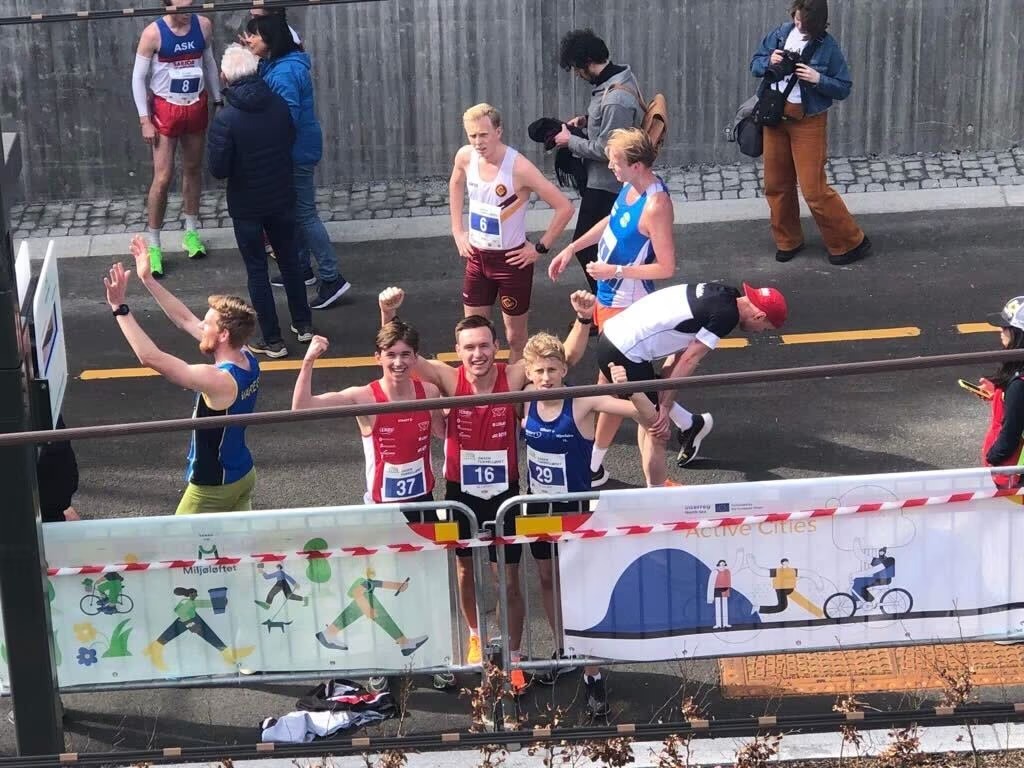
x=880 y=573
x=106 y=596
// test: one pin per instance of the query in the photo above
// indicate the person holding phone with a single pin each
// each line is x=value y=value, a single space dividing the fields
x=1003 y=445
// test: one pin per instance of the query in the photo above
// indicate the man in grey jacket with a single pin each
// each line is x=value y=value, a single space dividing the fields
x=615 y=102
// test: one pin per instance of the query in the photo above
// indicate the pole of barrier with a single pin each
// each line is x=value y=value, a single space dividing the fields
x=519 y=503
x=23 y=584
x=265 y=418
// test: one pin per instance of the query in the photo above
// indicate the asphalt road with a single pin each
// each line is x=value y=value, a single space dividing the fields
x=930 y=272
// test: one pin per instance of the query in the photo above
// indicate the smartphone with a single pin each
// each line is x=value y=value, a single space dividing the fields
x=974 y=389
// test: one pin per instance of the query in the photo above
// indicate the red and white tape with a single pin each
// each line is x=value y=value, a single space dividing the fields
x=624 y=530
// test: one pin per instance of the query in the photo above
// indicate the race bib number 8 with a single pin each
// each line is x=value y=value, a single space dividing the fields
x=484 y=474
x=547 y=472
x=185 y=85
x=403 y=481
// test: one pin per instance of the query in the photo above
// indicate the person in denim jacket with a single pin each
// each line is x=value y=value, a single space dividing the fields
x=795 y=150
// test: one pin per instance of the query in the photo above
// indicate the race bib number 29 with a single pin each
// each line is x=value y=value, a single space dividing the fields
x=547 y=472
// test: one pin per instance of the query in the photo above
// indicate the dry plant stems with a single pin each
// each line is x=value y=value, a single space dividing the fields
x=850 y=734
x=904 y=749
x=759 y=752
x=614 y=753
x=556 y=753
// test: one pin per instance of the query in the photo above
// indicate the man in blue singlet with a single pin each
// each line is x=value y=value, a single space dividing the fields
x=559 y=440
x=220 y=471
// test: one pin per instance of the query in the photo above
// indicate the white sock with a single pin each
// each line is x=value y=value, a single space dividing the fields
x=191 y=223
x=597 y=458
x=681 y=417
x=153 y=236
x=473 y=632
x=593 y=679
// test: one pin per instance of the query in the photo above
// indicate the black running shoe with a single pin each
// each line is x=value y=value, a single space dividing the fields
x=597 y=701
x=599 y=477
x=690 y=439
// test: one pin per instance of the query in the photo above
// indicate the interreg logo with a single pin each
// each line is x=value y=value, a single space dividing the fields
x=721 y=506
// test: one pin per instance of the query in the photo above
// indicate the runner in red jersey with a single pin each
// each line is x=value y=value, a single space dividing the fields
x=396 y=445
x=481 y=451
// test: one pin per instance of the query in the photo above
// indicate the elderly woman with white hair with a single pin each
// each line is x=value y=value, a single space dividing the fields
x=250 y=145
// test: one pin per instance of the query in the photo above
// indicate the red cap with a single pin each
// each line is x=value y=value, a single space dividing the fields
x=770 y=301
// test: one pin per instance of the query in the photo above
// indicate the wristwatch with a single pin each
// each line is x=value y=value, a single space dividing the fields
x=121 y=310
x=584 y=320
x=540 y=248
x=618 y=272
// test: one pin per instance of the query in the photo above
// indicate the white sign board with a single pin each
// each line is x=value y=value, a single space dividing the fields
x=798 y=580
x=384 y=610
x=51 y=354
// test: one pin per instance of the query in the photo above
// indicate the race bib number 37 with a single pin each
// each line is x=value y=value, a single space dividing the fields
x=403 y=481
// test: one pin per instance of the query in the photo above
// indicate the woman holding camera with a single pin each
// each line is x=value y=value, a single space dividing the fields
x=804 y=62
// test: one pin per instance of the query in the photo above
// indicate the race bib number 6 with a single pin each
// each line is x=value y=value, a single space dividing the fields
x=485 y=226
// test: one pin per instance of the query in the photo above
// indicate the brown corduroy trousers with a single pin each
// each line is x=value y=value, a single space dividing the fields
x=795 y=152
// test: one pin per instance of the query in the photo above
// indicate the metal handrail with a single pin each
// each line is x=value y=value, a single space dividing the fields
x=504 y=398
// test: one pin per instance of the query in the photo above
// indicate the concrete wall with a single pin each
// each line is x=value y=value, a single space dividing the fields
x=393 y=78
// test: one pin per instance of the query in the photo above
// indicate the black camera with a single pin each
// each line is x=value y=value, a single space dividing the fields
x=784 y=68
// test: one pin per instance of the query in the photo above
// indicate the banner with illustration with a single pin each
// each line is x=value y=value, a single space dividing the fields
x=943 y=567
x=380 y=611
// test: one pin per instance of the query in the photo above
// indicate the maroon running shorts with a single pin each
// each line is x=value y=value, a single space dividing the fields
x=489 y=276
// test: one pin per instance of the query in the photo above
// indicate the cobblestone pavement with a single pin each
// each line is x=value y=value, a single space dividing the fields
x=429 y=197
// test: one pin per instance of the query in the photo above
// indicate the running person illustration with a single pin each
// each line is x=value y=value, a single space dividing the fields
x=176 y=53
x=365 y=603
x=188 y=620
x=283 y=583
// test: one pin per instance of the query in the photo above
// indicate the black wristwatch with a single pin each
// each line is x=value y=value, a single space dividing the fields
x=541 y=248
x=121 y=310
x=584 y=320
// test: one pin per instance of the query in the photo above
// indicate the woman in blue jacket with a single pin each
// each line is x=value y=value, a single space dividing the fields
x=286 y=68
x=795 y=149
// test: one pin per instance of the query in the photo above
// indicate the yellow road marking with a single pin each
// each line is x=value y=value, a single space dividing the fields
x=976 y=328
x=870 y=334
x=267 y=365
x=866 y=335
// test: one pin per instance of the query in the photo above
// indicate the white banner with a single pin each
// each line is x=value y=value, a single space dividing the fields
x=384 y=611
x=912 y=575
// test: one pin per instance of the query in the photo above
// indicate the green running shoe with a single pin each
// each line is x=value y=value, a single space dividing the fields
x=156 y=261
x=193 y=245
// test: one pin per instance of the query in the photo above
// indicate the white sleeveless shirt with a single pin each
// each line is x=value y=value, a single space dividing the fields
x=497 y=214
